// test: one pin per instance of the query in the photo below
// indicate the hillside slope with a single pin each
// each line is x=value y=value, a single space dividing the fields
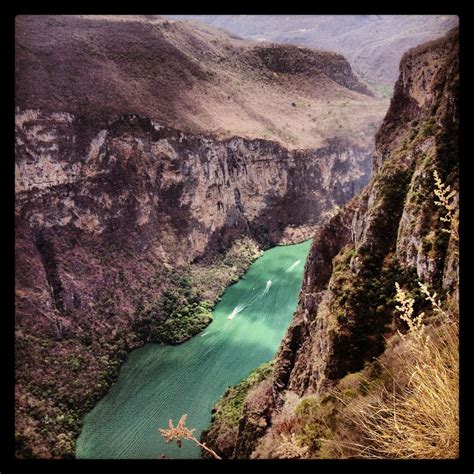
x=373 y=44
x=390 y=233
x=190 y=77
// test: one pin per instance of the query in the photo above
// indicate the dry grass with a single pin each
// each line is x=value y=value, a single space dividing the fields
x=446 y=198
x=289 y=448
x=373 y=46
x=418 y=419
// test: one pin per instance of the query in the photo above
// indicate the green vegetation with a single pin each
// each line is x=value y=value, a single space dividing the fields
x=363 y=307
x=315 y=419
x=363 y=302
x=229 y=407
x=384 y=91
x=178 y=314
x=228 y=410
x=53 y=403
x=428 y=127
x=185 y=307
x=75 y=372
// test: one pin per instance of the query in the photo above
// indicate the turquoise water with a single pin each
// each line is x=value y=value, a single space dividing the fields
x=157 y=383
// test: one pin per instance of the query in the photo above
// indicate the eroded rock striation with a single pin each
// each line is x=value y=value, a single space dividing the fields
x=146 y=189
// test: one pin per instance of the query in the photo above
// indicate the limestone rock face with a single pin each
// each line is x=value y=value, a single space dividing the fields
x=146 y=189
x=377 y=223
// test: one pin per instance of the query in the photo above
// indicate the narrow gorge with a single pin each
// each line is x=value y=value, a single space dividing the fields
x=172 y=181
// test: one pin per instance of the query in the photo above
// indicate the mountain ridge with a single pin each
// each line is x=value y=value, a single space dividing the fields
x=373 y=44
x=193 y=78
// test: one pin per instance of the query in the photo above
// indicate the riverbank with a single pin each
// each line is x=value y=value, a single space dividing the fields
x=162 y=382
x=94 y=358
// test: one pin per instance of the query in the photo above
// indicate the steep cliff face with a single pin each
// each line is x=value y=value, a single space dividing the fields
x=390 y=233
x=393 y=223
x=146 y=189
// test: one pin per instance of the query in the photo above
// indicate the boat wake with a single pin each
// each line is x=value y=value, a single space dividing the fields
x=237 y=310
x=292 y=266
x=267 y=288
x=240 y=307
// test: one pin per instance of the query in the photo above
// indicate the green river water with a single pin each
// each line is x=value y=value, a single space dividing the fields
x=158 y=382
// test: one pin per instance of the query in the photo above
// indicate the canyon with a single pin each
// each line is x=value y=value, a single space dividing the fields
x=132 y=183
x=155 y=160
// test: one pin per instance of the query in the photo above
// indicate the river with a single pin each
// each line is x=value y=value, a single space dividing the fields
x=159 y=382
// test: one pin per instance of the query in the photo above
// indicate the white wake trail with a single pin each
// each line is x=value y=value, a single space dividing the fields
x=240 y=307
x=236 y=311
x=292 y=266
x=267 y=288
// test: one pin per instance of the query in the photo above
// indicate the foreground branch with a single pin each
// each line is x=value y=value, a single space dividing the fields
x=180 y=431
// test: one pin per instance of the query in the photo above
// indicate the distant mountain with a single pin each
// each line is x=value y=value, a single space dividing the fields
x=373 y=44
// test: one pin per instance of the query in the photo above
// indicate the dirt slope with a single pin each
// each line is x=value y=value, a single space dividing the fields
x=190 y=77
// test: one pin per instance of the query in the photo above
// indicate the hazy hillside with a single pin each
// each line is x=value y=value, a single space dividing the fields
x=373 y=44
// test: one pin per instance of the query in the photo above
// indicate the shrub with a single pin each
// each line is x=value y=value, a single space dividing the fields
x=228 y=410
x=428 y=127
x=315 y=418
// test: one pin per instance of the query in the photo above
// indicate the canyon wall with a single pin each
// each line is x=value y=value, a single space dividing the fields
x=104 y=217
x=390 y=233
x=154 y=159
x=141 y=188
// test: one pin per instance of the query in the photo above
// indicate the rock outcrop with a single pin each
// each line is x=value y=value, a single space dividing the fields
x=391 y=218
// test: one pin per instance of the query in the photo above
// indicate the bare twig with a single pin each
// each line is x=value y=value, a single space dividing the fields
x=181 y=431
